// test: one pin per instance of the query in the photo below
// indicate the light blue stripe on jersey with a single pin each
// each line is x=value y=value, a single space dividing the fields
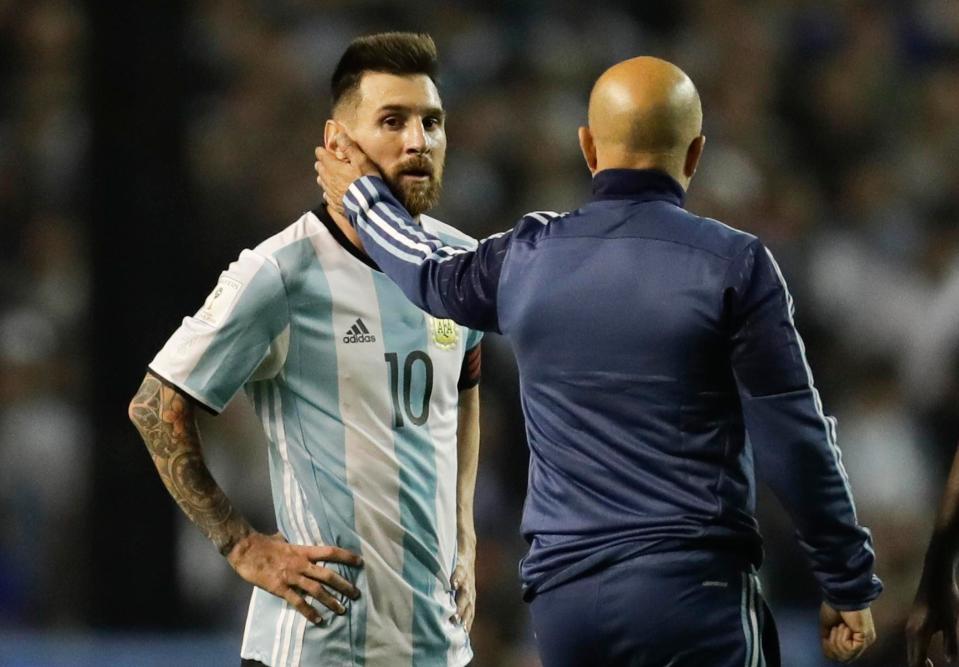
x=226 y=357
x=312 y=360
x=416 y=455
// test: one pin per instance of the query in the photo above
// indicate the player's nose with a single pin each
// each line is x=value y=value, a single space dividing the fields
x=415 y=138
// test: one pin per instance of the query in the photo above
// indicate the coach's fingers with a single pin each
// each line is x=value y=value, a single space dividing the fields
x=346 y=149
x=851 y=644
x=828 y=651
x=829 y=648
x=333 y=580
x=342 y=139
x=357 y=158
x=296 y=601
x=331 y=153
x=326 y=162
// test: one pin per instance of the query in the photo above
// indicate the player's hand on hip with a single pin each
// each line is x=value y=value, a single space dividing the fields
x=845 y=635
x=338 y=166
x=934 y=610
x=463 y=582
x=295 y=572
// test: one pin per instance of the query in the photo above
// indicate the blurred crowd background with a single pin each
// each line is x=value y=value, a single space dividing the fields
x=141 y=148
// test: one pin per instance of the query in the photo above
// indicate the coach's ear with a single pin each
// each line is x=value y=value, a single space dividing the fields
x=588 y=147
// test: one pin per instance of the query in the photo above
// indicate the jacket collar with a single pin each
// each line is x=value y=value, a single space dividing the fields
x=637 y=184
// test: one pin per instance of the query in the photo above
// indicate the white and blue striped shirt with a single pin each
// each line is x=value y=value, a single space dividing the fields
x=358 y=391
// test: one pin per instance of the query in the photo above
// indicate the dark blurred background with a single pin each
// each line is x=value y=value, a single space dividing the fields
x=142 y=146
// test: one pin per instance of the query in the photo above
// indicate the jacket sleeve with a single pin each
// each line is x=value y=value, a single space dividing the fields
x=793 y=441
x=443 y=280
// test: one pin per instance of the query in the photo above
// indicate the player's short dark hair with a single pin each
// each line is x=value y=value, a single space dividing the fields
x=400 y=53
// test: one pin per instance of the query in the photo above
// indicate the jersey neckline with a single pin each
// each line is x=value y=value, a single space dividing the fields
x=324 y=216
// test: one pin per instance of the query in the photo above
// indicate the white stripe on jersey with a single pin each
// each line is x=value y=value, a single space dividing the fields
x=369 y=445
x=290 y=624
x=299 y=512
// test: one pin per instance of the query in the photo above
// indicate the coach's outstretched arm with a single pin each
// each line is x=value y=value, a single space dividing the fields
x=166 y=420
x=794 y=444
x=445 y=281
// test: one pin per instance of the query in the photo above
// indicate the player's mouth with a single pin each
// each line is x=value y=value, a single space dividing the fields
x=418 y=175
x=418 y=170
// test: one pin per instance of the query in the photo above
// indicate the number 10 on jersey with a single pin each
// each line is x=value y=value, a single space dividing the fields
x=402 y=378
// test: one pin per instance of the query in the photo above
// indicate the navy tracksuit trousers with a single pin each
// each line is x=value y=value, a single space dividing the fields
x=673 y=609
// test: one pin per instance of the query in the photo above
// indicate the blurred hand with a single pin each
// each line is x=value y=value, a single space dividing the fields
x=463 y=582
x=934 y=609
x=339 y=166
x=845 y=635
x=292 y=571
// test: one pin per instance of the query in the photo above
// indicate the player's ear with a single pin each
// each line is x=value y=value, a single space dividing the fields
x=330 y=130
x=588 y=147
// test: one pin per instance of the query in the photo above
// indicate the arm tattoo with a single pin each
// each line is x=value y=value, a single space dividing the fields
x=166 y=420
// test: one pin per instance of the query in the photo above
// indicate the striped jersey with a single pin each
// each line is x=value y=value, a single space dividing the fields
x=358 y=393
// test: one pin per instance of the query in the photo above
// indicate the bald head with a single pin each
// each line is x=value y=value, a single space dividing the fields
x=644 y=113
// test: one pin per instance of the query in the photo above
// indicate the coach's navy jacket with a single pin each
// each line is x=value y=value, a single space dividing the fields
x=657 y=357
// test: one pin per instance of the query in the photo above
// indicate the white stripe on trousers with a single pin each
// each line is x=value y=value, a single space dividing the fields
x=751 y=602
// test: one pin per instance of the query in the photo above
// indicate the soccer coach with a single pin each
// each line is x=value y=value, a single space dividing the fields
x=650 y=343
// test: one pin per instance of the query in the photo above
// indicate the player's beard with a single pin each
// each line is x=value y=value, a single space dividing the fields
x=417 y=196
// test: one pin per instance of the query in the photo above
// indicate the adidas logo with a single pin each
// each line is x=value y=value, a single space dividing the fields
x=359 y=334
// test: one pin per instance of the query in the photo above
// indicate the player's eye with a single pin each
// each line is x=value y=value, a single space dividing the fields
x=392 y=122
x=432 y=123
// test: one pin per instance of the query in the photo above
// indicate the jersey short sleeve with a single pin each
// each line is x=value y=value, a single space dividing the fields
x=240 y=334
x=473 y=338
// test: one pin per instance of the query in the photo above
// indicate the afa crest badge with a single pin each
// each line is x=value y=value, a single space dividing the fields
x=445 y=333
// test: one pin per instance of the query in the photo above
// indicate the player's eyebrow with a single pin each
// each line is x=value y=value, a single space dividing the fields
x=425 y=111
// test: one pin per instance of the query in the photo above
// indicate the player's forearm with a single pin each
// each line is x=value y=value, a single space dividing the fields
x=467 y=444
x=167 y=423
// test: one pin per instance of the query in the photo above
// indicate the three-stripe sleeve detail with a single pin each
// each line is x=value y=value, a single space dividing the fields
x=829 y=423
x=398 y=239
x=543 y=217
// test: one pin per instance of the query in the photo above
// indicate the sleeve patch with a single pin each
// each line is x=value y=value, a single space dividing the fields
x=221 y=299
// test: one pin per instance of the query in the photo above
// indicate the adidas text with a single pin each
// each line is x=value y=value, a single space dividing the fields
x=359 y=338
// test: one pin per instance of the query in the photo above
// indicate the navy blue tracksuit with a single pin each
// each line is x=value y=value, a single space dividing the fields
x=650 y=342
